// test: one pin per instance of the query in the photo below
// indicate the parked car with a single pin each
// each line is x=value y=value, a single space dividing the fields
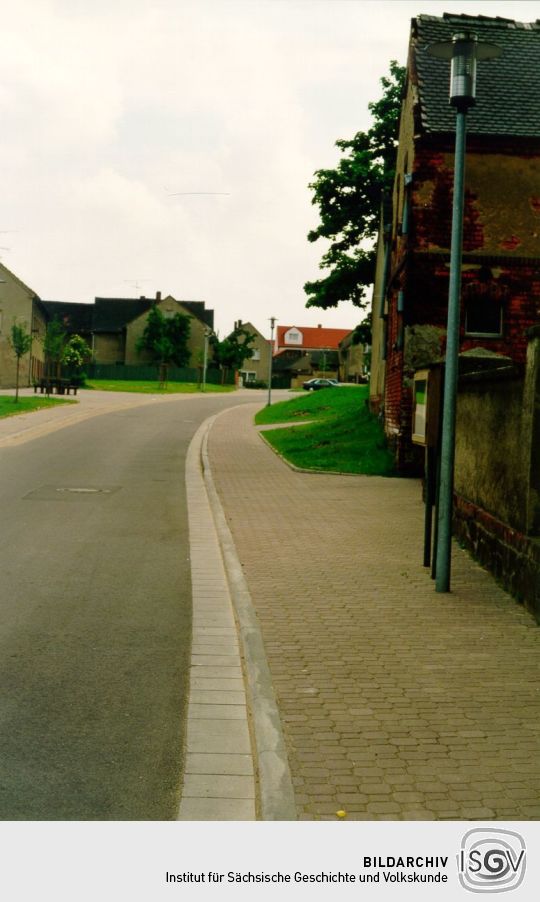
x=315 y=384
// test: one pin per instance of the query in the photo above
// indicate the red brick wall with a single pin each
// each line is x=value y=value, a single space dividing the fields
x=497 y=226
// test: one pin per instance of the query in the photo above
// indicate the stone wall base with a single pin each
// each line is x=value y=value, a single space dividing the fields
x=512 y=557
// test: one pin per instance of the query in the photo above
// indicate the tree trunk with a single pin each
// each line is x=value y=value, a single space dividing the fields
x=17 y=380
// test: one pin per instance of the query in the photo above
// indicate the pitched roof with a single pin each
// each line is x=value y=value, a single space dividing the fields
x=7 y=272
x=314 y=337
x=76 y=316
x=112 y=314
x=508 y=88
x=197 y=308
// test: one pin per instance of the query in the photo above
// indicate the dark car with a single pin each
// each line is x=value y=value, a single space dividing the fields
x=315 y=384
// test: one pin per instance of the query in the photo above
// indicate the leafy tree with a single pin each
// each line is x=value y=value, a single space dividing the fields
x=75 y=353
x=349 y=198
x=233 y=350
x=166 y=338
x=362 y=333
x=21 y=342
x=54 y=344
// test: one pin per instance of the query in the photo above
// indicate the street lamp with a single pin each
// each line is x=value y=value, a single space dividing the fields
x=272 y=324
x=463 y=50
x=207 y=334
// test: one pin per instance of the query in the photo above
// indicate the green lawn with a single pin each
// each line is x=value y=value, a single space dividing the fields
x=8 y=407
x=345 y=436
x=147 y=387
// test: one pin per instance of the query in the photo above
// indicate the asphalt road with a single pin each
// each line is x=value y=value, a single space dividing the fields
x=95 y=615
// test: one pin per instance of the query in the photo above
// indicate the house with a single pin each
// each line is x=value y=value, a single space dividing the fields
x=353 y=360
x=20 y=304
x=256 y=368
x=501 y=236
x=301 y=352
x=496 y=501
x=308 y=338
x=112 y=326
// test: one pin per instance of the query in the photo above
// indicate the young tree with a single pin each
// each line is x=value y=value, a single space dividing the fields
x=233 y=350
x=21 y=342
x=54 y=344
x=349 y=197
x=165 y=339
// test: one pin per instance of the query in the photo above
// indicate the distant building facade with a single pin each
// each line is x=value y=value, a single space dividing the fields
x=21 y=305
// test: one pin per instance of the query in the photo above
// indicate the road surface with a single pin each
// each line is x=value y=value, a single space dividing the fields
x=95 y=615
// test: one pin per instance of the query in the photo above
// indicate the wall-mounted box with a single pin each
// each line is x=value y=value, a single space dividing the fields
x=426 y=406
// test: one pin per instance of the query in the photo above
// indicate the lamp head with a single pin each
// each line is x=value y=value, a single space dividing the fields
x=463 y=50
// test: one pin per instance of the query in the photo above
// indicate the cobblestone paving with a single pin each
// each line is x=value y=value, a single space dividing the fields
x=397 y=703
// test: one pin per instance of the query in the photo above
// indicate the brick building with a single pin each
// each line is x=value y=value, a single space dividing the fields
x=501 y=239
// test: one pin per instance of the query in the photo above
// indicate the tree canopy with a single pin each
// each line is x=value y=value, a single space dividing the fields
x=233 y=350
x=166 y=338
x=349 y=199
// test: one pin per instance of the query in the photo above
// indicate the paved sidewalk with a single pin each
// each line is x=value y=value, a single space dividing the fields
x=396 y=702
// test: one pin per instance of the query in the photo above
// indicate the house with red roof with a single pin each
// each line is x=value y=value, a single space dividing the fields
x=308 y=338
x=301 y=352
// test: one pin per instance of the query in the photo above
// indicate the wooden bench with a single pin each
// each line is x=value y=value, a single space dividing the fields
x=48 y=385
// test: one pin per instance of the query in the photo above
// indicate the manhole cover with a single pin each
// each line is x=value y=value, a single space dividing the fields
x=86 y=491
x=71 y=492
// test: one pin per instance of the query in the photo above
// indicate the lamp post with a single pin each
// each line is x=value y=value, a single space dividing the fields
x=207 y=334
x=272 y=324
x=463 y=50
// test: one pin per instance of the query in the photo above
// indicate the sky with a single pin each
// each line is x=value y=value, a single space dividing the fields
x=168 y=145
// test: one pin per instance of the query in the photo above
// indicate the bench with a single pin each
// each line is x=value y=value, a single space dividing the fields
x=48 y=385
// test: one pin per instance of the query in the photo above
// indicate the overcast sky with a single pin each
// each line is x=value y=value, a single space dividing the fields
x=110 y=108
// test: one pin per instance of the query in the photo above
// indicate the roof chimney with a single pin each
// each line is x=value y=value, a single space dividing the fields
x=319 y=326
x=158 y=296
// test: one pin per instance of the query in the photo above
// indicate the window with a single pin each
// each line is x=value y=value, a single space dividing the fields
x=484 y=306
x=293 y=337
x=483 y=316
x=256 y=354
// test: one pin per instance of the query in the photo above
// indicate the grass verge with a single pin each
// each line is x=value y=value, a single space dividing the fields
x=152 y=388
x=8 y=407
x=344 y=437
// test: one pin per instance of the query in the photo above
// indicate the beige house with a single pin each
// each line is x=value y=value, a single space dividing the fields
x=20 y=304
x=352 y=360
x=112 y=326
x=256 y=368
x=169 y=307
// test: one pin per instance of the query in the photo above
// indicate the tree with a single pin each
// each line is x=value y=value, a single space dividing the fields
x=349 y=199
x=54 y=344
x=75 y=353
x=21 y=342
x=233 y=350
x=166 y=338
x=362 y=333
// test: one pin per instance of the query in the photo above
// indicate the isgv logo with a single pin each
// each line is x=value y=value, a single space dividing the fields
x=491 y=861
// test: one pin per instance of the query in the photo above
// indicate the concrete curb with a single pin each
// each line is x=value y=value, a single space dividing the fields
x=275 y=782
